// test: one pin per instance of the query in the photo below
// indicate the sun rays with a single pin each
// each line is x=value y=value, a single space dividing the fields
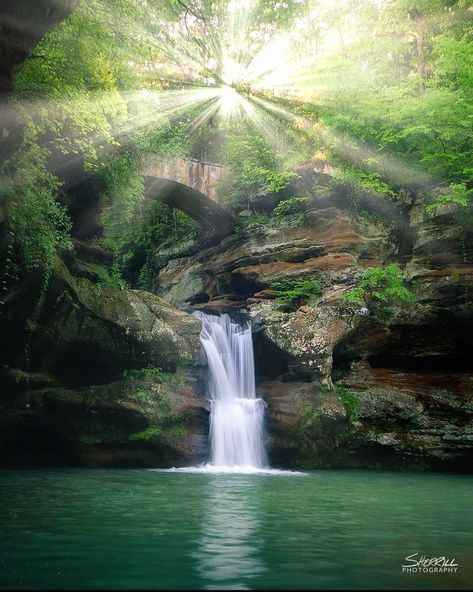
x=227 y=66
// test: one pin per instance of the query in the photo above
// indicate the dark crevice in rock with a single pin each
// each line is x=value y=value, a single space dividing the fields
x=441 y=363
x=437 y=348
x=84 y=208
x=84 y=365
x=404 y=236
x=200 y=298
x=270 y=363
x=245 y=286
x=341 y=364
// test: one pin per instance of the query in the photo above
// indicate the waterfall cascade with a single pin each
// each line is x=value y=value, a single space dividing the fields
x=236 y=418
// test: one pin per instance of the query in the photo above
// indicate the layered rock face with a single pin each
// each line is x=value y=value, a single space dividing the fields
x=330 y=244
x=99 y=376
x=344 y=389
x=102 y=376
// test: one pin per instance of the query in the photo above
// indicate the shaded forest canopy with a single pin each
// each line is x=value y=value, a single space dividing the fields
x=379 y=91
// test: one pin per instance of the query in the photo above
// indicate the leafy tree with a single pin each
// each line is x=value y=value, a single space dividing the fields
x=388 y=98
x=154 y=229
x=254 y=166
x=459 y=195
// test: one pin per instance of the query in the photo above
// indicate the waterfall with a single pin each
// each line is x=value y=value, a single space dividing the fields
x=236 y=415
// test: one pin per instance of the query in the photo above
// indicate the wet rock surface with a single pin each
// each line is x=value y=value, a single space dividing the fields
x=125 y=423
x=101 y=377
x=344 y=389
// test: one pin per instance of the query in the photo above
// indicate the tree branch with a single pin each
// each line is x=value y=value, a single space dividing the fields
x=187 y=9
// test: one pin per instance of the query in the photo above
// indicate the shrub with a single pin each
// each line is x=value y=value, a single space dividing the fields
x=37 y=226
x=292 y=211
x=147 y=435
x=292 y=205
x=359 y=182
x=254 y=165
x=108 y=276
x=381 y=288
x=150 y=373
x=256 y=221
x=459 y=194
x=293 y=292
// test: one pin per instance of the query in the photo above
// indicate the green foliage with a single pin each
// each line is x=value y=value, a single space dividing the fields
x=104 y=277
x=68 y=95
x=291 y=205
x=150 y=373
x=163 y=422
x=123 y=191
x=174 y=380
x=156 y=228
x=153 y=401
x=393 y=110
x=398 y=104
x=92 y=113
x=254 y=166
x=309 y=417
x=355 y=295
x=37 y=225
x=377 y=218
x=381 y=288
x=349 y=400
x=276 y=181
x=108 y=276
x=291 y=212
x=77 y=77
x=459 y=195
x=357 y=183
x=292 y=292
x=256 y=221
x=149 y=434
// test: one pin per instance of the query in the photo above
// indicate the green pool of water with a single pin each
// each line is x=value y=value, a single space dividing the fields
x=146 y=529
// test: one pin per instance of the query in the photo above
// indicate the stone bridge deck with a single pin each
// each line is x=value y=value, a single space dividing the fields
x=200 y=176
x=190 y=186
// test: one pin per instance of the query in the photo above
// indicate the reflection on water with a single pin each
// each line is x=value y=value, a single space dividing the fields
x=144 y=530
x=228 y=551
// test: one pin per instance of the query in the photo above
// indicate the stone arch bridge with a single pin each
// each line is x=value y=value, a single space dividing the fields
x=190 y=186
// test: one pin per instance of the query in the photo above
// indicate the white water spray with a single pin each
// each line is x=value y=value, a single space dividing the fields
x=236 y=417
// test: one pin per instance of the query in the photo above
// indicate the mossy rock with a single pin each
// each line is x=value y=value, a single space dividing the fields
x=85 y=336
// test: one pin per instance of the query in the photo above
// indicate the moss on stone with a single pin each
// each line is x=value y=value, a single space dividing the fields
x=350 y=400
x=149 y=434
x=308 y=418
x=102 y=432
